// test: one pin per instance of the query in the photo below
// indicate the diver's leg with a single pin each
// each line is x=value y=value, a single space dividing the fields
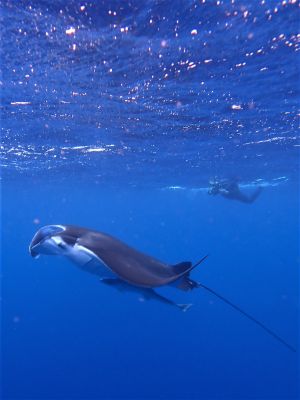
x=255 y=195
x=244 y=198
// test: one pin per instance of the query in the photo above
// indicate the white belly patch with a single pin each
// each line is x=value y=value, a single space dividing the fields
x=87 y=260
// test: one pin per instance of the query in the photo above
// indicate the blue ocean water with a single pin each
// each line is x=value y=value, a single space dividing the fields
x=115 y=115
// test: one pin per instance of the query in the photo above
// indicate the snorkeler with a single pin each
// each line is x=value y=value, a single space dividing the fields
x=230 y=189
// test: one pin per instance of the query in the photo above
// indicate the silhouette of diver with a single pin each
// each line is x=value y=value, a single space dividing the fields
x=230 y=189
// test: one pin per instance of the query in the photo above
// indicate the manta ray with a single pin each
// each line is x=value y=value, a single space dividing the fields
x=118 y=265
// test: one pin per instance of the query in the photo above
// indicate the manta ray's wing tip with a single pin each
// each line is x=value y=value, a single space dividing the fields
x=185 y=307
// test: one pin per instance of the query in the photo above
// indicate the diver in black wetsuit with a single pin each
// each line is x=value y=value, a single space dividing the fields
x=230 y=189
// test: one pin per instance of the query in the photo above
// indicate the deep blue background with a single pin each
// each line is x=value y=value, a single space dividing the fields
x=119 y=126
x=74 y=338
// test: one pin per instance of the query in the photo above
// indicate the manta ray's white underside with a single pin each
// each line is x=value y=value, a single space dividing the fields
x=79 y=255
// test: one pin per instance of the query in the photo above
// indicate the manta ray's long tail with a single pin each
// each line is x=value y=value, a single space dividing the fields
x=200 y=285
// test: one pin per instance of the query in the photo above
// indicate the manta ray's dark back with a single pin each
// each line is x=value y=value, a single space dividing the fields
x=129 y=264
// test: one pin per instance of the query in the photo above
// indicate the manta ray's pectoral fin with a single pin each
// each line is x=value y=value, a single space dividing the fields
x=184 y=307
x=144 y=293
x=110 y=281
x=114 y=282
x=163 y=299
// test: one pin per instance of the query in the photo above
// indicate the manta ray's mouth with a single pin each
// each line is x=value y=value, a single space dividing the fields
x=51 y=245
x=43 y=235
x=34 y=250
x=35 y=255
